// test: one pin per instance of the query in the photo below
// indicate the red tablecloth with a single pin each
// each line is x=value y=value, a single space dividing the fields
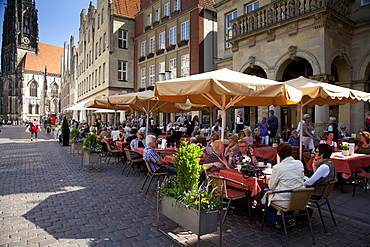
x=121 y=145
x=346 y=165
x=268 y=152
x=107 y=140
x=141 y=150
x=254 y=184
x=170 y=159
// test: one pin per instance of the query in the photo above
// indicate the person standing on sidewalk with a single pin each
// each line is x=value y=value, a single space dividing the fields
x=34 y=128
x=273 y=124
x=239 y=123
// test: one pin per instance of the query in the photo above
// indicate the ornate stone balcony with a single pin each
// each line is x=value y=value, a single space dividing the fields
x=280 y=11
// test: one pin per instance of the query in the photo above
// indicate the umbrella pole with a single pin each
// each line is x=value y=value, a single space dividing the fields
x=115 y=118
x=223 y=117
x=300 y=131
x=147 y=123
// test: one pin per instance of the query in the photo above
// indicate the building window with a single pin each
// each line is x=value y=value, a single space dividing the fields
x=122 y=71
x=149 y=20
x=122 y=39
x=102 y=16
x=185 y=31
x=37 y=109
x=143 y=77
x=229 y=33
x=184 y=65
x=54 y=89
x=173 y=38
x=143 y=49
x=151 y=75
x=167 y=9
x=33 y=89
x=30 y=109
x=152 y=45
x=96 y=50
x=103 y=72
x=364 y=2
x=161 y=67
x=177 y=5
x=104 y=42
x=158 y=15
x=162 y=40
x=172 y=67
x=100 y=46
x=251 y=7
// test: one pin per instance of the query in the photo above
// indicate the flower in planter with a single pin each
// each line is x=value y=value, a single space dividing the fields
x=345 y=146
x=185 y=186
x=141 y=89
x=244 y=160
x=150 y=87
x=91 y=145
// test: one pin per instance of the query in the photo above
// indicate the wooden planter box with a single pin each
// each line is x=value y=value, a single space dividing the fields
x=182 y=43
x=174 y=13
x=171 y=47
x=165 y=18
x=141 y=59
x=160 y=51
x=148 y=28
x=189 y=217
x=150 y=55
x=156 y=23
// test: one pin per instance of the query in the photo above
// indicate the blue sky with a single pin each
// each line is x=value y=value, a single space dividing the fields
x=58 y=19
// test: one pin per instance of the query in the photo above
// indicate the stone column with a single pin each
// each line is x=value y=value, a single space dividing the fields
x=321 y=119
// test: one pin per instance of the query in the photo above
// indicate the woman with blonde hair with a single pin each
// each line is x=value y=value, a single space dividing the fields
x=363 y=147
x=248 y=136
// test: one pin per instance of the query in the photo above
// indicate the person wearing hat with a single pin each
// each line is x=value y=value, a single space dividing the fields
x=342 y=133
x=307 y=130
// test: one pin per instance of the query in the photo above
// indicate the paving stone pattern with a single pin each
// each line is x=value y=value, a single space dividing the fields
x=46 y=199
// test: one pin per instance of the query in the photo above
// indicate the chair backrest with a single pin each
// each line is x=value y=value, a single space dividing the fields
x=328 y=189
x=128 y=154
x=109 y=147
x=148 y=166
x=299 y=199
x=163 y=154
x=216 y=182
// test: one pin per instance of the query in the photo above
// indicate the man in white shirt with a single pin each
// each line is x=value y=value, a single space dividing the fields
x=115 y=134
x=181 y=119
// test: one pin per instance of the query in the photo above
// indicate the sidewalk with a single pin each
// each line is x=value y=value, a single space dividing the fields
x=48 y=200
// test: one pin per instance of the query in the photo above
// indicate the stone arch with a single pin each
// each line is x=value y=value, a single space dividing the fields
x=54 y=88
x=363 y=68
x=31 y=81
x=252 y=63
x=339 y=66
x=286 y=59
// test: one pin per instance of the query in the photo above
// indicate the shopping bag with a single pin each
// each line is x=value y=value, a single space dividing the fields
x=28 y=129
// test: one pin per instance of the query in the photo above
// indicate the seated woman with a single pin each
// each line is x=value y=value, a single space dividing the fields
x=363 y=147
x=217 y=160
x=248 y=136
x=329 y=140
x=287 y=175
x=121 y=135
x=105 y=133
x=244 y=150
x=294 y=139
x=324 y=169
x=233 y=144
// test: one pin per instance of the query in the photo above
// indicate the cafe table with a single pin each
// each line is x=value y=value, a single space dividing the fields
x=121 y=145
x=255 y=184
x=107 y=140
x=345 y=164
x=268 y=152
x=170 y=159
x=141 y=150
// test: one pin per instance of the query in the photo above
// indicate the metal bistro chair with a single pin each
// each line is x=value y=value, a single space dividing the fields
x=324 y=196
x=231 y=194
x=298 y=201
x=130 y=161
x=151 y=174
x=361 y=175
x=112 y=151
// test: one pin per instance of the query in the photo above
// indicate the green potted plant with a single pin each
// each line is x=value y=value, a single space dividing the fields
x=150 y=87
x=142 y=58
x=65 y=131
x=184 y=200
x=345 y=149
x=92 y=150
x=76 y=140
x=140 y=89
x=159 y=51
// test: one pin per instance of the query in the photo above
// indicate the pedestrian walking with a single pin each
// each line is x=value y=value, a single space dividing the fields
x=34 y=128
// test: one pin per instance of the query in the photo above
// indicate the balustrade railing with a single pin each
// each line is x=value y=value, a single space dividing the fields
x=279 y=11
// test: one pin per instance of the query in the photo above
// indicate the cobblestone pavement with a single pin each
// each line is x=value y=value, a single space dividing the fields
x=46 y=199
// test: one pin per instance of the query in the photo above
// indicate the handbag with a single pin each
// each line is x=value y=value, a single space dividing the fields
x=28 y=129
x=251 y=171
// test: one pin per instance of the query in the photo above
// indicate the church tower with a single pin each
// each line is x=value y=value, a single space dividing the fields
x=20 y=35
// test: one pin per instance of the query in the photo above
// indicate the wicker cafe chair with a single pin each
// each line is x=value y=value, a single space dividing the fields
x=324 y=197
x=298 y=201
x=151 y=174
x=112 y=151
x=359 y=174
x=231 y=194
x=130 y=161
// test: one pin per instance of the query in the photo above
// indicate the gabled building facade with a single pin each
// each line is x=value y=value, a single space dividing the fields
x=285 y=39
x=106 y=49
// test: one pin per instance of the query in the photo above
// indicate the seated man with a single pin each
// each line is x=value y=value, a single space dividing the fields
x=156 y=163
x=287 y=175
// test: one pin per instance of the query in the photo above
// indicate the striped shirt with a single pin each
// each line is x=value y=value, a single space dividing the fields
x=152 y=157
